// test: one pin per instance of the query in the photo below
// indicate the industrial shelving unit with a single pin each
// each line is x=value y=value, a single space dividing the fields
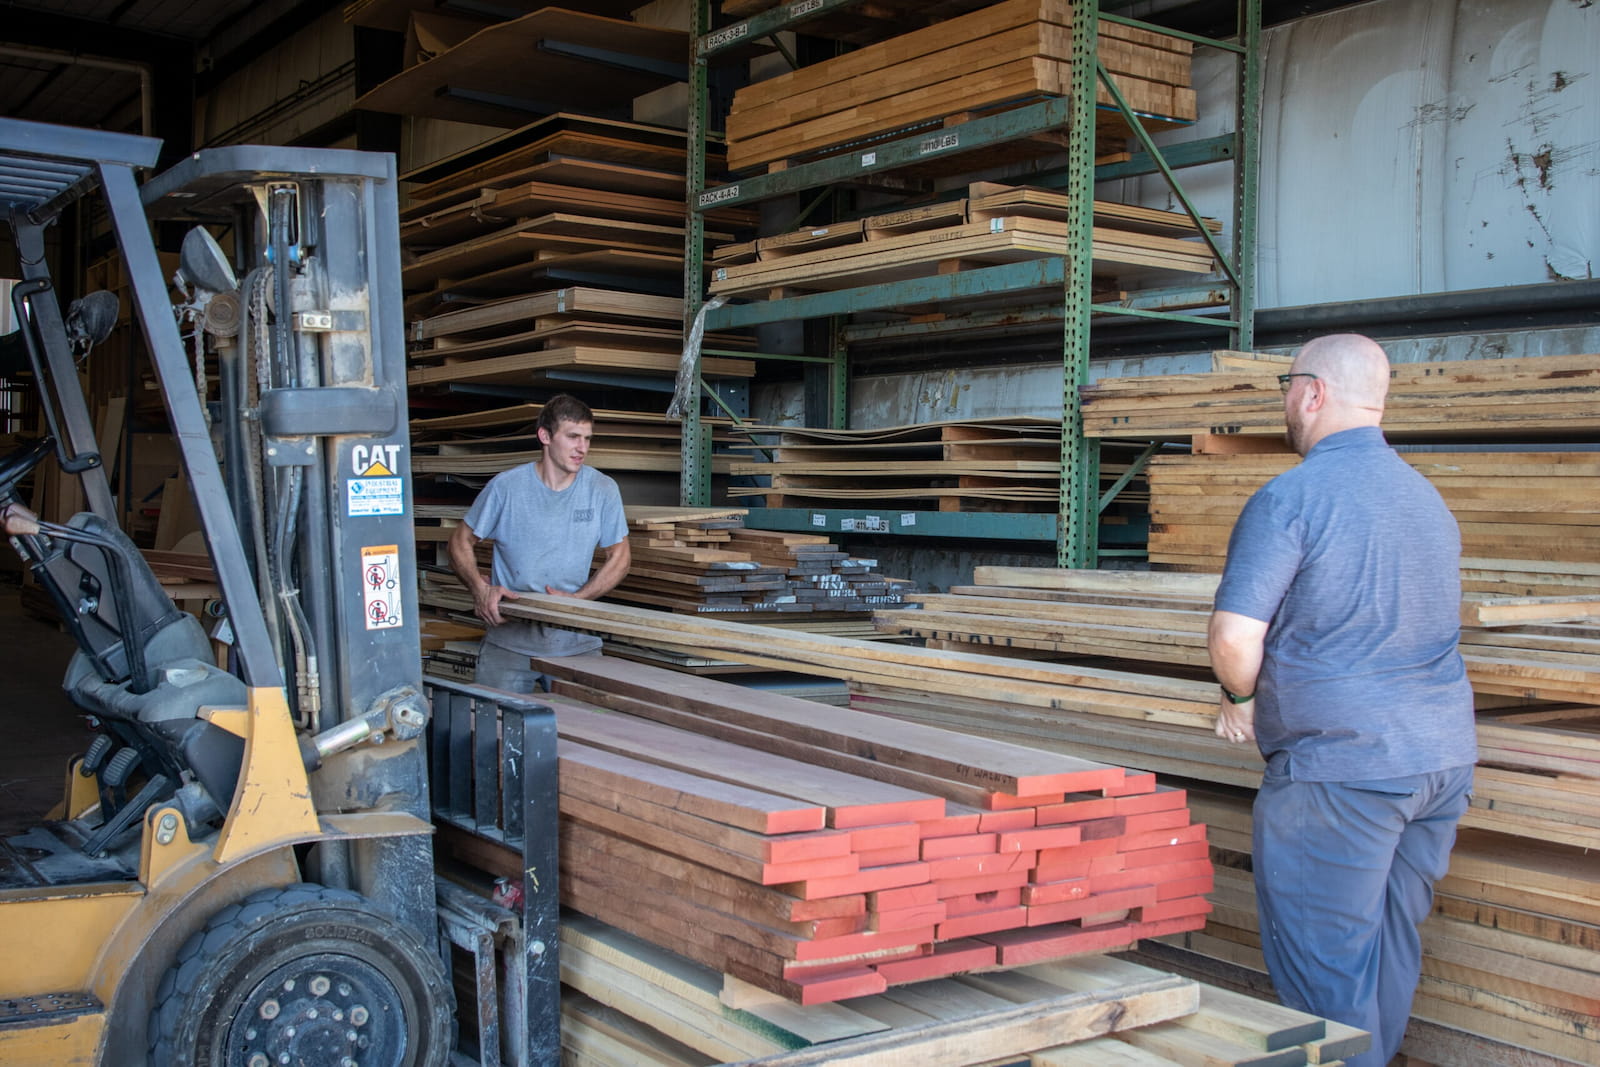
x=1074 y=526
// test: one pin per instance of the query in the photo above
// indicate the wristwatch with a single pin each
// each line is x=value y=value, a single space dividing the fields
x=1235 y=698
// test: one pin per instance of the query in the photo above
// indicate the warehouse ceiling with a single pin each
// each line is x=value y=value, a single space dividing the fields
x=131 y=65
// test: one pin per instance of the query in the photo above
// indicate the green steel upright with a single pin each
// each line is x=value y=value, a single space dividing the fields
x=694 y=472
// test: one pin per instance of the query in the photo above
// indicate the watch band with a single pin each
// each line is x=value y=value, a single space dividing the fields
x=1235 y=698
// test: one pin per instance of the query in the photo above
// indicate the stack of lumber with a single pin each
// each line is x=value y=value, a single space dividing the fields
x=500 y=74
x=704 y=561
x=1160 y=618
x=1509 y=953
x=863 y=23
x=1544 y=773
x=1000 y=464
x=990 y=59
x=517 y=339
x=992 y=224
x=822 y=853
x=1463 y=398
x=1527 y=518
x=1162 y=725
x=627 y=1003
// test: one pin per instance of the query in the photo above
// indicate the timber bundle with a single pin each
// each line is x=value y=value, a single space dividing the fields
x=988 y=60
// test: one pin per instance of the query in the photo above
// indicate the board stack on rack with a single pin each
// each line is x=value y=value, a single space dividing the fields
x=993 y=224
x=705 y=562
x=989 y=60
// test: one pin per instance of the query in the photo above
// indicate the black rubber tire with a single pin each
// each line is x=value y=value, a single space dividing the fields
x=315 y=973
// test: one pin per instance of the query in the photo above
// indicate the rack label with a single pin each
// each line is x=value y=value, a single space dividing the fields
x=818 y=519
x=719 y=194
x=727 y=36
x=804 y=7
x=869 y=158
x=908 y=518
x=942 y=143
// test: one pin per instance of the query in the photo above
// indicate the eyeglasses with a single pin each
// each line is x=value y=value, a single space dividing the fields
x=1286 y=380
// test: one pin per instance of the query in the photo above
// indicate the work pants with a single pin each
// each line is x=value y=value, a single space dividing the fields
x=500 y=668
x=1344 y=874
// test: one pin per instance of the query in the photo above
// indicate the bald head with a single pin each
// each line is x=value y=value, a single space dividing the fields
x=1349 y=381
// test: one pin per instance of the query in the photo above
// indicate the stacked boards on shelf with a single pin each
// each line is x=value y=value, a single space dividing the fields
x=1010 y=464
x=993 y=224
x=991 y=59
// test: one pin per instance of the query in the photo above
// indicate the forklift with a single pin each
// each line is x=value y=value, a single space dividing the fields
x=241 y=869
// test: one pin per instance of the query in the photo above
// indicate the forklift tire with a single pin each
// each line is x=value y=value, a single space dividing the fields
x=303 y=974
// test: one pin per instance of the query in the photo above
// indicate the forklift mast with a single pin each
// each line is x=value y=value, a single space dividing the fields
x=293 y=782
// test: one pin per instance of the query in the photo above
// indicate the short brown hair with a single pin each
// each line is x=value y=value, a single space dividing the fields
x=563 y=408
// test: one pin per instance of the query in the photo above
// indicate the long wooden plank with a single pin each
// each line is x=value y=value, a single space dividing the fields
x=999 y=767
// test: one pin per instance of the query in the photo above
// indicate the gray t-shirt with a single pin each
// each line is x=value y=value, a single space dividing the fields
x=1355 y=562
x=546 y=538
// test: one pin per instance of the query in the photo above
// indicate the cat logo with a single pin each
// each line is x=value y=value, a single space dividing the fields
x=375 y=461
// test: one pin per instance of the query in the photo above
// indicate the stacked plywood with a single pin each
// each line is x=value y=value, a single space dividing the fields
x=816 y=852
x=1528 y=519
x=993 y=224
x=989 y=59
x=1444 y=400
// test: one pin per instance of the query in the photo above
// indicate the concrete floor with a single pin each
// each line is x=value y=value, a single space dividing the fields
x=39 y=728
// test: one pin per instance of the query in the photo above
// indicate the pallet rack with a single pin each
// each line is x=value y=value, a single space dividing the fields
x=1074 y=526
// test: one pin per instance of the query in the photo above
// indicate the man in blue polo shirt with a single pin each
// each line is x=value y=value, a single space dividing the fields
x=1335 y=637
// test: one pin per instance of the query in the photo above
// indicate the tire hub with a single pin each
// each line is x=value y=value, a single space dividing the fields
x=327 y=1010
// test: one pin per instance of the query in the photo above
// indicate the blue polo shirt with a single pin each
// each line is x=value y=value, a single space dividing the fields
x=1354 y=562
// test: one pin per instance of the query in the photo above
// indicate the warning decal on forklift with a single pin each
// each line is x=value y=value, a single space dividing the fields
x=380 y=586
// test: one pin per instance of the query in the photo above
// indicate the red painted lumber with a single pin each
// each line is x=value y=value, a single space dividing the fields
x=1158 y=838
x=1198 y=885
x=867 y=942
x=866 y=881
x=1136 y=782
x=903 y=897
x=1093 y=904
x=1157 y=820
x=736 y=805
x=891 y=835
x=889 y=857
x=974 y=903
x=1008 y=802
x=1163 y=799
x=960 y=868
x=1005 y=821
x=983 y=883
x=983 y=922
x=1171 y=909
x=1039 y=838
x=839 y=985
x=761 y=903
x=950 y=825
x=1057 y=891
x=1145 y=857
x=1076 y=808
x=909 y=917
x=794 y=969
x=938 y=848
x=956 y=957
x=1158 y=875
x=1039 y=943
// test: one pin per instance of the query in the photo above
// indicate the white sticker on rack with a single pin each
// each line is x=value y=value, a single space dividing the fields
x=818 y=519
x=908 y=518
x=868 y=158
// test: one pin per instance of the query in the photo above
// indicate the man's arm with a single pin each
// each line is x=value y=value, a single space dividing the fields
x=1237 y=644
x=619 y=557
x=486 y=596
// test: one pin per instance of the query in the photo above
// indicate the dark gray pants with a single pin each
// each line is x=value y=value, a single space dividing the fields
x=500 y=668
x=1344 y=874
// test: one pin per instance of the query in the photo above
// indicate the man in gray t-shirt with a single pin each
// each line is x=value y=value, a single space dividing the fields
x=546 y=519
x=1335 y=636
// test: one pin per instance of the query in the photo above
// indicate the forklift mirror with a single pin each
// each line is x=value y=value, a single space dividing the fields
x=203 y=265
